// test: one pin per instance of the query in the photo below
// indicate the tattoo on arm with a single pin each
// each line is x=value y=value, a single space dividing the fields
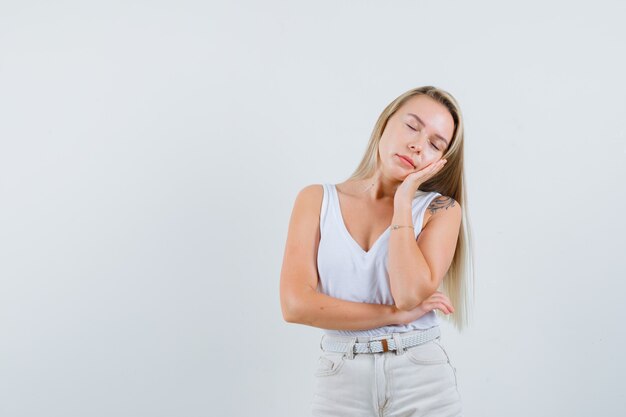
x=441 y=202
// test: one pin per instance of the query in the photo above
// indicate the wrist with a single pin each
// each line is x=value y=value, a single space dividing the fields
x=402 y=203
x=402 y=214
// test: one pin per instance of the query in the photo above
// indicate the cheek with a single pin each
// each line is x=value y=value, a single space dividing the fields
x=431 y=159
x=383 y=148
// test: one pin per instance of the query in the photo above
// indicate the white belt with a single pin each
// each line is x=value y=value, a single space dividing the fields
x=385 y=343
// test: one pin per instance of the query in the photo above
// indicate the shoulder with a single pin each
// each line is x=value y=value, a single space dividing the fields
x=312 y=193
x=309 y=199
x=446 y=207
x=443 y=203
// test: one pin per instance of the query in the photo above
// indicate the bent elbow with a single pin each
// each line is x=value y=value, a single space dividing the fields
x=407 y=304
x=290 y=310
x=290 y=316
x=289 y=319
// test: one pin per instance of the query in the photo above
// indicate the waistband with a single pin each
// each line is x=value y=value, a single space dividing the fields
x=397 y=342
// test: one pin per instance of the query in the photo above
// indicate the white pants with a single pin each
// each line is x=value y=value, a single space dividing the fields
x=418 y=381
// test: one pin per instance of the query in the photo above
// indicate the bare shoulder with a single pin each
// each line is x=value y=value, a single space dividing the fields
x=305 y=217
x=444 y=207
x=443 y=203
x=309 y=199
x=312 y=192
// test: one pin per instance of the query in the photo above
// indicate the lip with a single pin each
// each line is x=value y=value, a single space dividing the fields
x=406 y=159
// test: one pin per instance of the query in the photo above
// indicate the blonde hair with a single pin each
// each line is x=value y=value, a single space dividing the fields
x=449 y=181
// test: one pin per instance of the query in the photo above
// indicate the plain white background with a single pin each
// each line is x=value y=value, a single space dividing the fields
x=150 y=156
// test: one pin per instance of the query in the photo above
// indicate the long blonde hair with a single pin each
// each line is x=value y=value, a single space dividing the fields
x=449 y=181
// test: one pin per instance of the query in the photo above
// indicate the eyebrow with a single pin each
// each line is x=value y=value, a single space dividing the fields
x=420 y=120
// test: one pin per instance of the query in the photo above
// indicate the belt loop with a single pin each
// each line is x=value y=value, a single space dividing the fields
x=398 y=341
x=350 y=353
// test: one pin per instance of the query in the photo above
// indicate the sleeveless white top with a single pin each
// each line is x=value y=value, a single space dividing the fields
x=348 y=272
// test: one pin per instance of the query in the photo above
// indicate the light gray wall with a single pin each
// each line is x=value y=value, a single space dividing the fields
x=151 y=152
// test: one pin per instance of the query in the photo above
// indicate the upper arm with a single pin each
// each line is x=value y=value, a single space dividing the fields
x=437 y=241
x=299 y=268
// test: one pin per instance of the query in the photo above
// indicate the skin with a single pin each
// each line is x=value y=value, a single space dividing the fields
x=368 y=207
x=404 y=135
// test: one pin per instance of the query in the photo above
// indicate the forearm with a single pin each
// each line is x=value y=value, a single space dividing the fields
x=320 y=310
x=409 y=275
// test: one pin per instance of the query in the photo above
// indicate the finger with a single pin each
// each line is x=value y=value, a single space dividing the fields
x=444 y=308
x=436 y=297
x=433 y=171
x=427 y=170
x=438 y=166
x=446 y=301
x=440 y=307
x=440 y=295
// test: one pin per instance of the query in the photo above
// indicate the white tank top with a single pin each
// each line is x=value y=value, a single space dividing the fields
x=347 y=272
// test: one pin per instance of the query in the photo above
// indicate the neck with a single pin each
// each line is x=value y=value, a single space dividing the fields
x=379 y=187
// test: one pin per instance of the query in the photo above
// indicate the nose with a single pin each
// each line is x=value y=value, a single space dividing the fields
x=416 y=145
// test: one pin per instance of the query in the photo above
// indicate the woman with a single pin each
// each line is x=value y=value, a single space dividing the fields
x=364 y=260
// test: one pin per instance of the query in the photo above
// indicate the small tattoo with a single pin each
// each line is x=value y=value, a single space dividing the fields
x=441 y=202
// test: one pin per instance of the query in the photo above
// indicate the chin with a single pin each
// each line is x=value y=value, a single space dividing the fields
x=402 y=176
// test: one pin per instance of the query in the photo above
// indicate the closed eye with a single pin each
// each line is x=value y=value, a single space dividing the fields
x=415 y=130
